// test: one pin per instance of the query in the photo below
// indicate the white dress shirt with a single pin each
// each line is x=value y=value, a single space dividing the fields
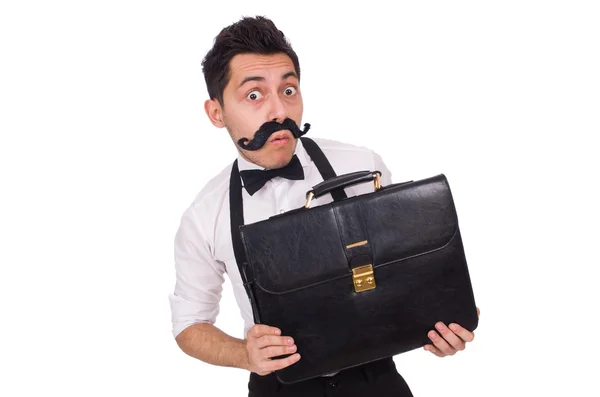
x=203 y=247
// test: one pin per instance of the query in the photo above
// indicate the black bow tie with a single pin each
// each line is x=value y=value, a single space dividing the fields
x=256 y=179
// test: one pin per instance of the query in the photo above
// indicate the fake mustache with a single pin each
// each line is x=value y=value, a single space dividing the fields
x=269 y=128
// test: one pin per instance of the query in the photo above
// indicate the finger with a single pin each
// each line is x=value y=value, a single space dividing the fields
x=274 y=351
x=259 y=330
x=434 y=350
x=477 y=312
x=450 y=337
x=275 y=365
x=462 y=333
x=272 y=340
x=441 y=343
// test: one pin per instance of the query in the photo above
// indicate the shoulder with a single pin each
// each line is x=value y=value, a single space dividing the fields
x=216 y=187
x=342 y=150
x=333 y=146
x=205 y=208
x=346 y=157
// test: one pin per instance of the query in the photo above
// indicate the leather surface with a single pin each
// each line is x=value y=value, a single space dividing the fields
x=300 y=275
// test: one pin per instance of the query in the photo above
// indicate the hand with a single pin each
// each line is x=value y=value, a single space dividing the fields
x=264 y=342
x=453 y=338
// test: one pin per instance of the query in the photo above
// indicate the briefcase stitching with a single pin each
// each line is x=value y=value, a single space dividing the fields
x=350 y=272
x=456 y=232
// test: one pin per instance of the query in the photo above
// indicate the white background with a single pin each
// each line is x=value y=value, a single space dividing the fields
x=101 y=120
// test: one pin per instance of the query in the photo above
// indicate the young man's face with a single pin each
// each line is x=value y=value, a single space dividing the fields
x=261 y=88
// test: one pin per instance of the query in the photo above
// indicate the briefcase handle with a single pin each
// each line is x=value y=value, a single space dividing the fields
x=342 y=181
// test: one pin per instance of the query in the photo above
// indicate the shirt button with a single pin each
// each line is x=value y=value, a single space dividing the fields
x=281 y=211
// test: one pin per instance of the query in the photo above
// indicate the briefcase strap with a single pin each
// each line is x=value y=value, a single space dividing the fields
x=237 y=210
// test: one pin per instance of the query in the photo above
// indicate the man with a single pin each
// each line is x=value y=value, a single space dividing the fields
x=253 y=80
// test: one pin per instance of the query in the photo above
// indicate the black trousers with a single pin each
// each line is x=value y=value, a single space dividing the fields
x=379 y=379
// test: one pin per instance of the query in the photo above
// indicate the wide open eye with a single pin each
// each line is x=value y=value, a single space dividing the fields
x=289 y=91
x=254 y=95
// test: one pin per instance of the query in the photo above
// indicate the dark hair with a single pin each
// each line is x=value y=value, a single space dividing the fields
x=249 y=35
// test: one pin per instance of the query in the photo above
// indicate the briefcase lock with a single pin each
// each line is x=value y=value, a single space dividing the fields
x=363 y=278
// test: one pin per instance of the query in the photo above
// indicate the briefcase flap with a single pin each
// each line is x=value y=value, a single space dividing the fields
x=304 y=248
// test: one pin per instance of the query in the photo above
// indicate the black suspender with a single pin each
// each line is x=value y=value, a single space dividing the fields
x=237 y=210
x=323 y=165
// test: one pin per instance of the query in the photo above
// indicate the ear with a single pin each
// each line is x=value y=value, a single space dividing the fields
x=213 y=110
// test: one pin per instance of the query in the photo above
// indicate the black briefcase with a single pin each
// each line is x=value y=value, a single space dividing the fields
x=362 y=278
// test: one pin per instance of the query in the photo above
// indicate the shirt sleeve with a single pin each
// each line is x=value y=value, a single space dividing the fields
x=379 y=165
x=199 y=277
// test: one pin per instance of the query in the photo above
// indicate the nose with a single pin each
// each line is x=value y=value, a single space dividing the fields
x=277 y=110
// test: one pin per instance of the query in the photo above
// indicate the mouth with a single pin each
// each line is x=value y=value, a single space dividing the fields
x=280 y=137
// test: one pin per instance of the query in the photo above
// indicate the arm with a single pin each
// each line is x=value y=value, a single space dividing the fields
x=208 y=343
x=195 y=305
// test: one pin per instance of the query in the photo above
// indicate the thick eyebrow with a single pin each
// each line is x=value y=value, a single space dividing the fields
x=289 y=74
x=259 y=78
x=251 y=78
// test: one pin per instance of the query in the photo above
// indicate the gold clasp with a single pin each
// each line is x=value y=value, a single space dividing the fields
x=377 y=181
x=363 y=278
x=364 y=242
x=309 y=199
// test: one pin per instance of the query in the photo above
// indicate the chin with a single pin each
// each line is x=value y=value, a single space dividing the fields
x=281 y=159
x=284 y=152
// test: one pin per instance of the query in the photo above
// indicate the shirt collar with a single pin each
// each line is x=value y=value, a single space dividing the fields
x=244 y=164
